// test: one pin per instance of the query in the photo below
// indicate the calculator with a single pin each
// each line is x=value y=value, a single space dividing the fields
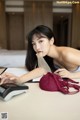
x=9 y=90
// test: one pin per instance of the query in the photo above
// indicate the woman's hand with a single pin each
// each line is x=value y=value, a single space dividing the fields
x=39 y=55
x=64 y=73
x=8 y=78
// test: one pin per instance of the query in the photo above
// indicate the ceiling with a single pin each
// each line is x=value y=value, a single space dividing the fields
x=57 y=16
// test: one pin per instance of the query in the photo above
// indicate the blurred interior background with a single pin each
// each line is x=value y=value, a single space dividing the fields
x=18 y=17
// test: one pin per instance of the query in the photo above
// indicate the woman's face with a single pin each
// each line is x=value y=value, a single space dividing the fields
x=41 y=44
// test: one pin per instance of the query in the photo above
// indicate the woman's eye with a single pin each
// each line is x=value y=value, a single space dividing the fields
x=40 y=41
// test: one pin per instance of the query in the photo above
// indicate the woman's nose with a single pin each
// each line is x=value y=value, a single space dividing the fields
x=37 y=47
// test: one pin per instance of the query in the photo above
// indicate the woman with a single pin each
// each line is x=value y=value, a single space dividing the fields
x=41 y=44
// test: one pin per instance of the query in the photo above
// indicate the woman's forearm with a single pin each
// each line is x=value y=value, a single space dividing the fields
x=37 y=72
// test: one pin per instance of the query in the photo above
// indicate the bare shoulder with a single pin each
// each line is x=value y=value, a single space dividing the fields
x=69 y=53
x=68 y=50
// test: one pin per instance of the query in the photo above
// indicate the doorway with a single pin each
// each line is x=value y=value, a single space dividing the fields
x=62 y=28
x=15 y=31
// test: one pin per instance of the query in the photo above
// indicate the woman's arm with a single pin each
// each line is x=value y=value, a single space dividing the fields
x=67 y=74
x=10 y=78
x=71 y=59
x=43 y=64
x=37 y=72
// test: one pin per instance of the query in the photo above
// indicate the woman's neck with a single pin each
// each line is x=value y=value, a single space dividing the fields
x=53 y=52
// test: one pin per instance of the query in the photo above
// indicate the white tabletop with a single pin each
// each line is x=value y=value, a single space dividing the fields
x=37 y=104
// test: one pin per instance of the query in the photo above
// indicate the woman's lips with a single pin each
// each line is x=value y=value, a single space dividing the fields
x=39 y=51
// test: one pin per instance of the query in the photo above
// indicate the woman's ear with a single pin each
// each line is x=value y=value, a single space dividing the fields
x=52 y=41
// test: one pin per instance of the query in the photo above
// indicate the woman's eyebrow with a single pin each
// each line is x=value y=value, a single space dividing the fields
x=34 y=40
